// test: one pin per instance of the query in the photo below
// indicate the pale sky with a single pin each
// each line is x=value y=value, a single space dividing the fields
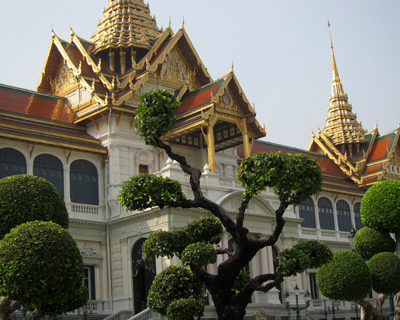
x=280 y=50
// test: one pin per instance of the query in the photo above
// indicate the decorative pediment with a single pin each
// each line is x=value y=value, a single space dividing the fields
x=88 y=252
x=174 y=68
x=64 y=80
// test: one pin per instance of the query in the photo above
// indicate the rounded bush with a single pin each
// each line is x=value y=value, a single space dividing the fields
x=166 y=243
x=184 y=309
x=26 y=198
x=155 y=115
x=199 y=253
x=346 y=277
x=40 y=266
x=380 y=206
x=284 y=172
x=368 y=242
x=172 y=284
x=385 y=272
x=302 y=256
x=203 y=229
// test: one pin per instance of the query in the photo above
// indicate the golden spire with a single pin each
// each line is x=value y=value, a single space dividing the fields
x=342 y=126
x=123 y=25
x=335 y=73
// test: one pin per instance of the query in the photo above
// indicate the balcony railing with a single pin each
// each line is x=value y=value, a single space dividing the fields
x=85 y=208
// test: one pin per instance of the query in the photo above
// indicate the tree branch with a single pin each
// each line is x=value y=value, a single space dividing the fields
x=256 y=284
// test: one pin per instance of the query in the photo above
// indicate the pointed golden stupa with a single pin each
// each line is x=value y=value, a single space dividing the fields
x=341 y=125
x=125 y=24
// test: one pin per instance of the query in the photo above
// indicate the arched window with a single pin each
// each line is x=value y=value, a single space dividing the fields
x=325 y=213
x=11 y=162
x=306 y=211
x=50 y=167
x=84 y=182
x=357 y=216
x=143 y=272
x=343 y=215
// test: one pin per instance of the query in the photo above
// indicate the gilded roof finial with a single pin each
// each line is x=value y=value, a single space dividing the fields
x=53 y=34
x=232 y=66
x=169 y=22
x=335 y=73
x=183 y=23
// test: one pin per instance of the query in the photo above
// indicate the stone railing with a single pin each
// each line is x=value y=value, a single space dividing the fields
x=143 y=315
x=84 y=208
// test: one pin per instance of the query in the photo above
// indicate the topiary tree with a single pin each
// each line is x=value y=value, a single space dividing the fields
x=369 y=242
x=176 y=293
x=385 y=272
x=380 y=212
x=293 y=177
x=346 y=277
x=380 y=208
x=26 y=198
x=41 y=267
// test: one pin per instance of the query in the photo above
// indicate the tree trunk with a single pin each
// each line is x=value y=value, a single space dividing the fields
x=37 y=314
x=230 y=312
x=368 y=312
x=397 y=307
x=7 y=307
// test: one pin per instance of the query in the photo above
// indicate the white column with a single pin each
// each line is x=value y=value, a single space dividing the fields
x=156 y=161
x=103 y=281
x=67 y=185
x=131 y=161
x=270 y=260
x=124 y=262
x=264 y=261
x=118 y=164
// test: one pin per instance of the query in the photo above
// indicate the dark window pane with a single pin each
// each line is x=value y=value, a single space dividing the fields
x=306 y=210
x=12 y=162
x=46 y=166
x=325 y=214
x=357 y=216
x=84 y=182
x=343 y=215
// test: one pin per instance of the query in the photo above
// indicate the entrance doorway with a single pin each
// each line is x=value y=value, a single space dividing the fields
x=143 y=272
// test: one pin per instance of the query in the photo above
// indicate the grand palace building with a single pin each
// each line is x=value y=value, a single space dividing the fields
x=78 y=131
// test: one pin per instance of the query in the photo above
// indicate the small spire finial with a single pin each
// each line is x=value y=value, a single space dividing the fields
x=169 y=22
x=232 y=66
x=183 y=23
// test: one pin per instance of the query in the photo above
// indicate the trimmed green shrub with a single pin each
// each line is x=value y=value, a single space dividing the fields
x=380 y=206
x=185 y=309
x=302 y=256
x=40 y=266
x=385 y=272
x=166 y=243
x=155 y=115
x=346 y=277
x=173 y=284
x=199 y=253
x=26 y=198
x=368 y=242
x=148 y=190
x=203 y=229
x=293 y=177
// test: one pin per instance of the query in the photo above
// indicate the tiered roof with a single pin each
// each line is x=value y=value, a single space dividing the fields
x=363 y=157
x=125 y=24
x=129 y=52
x=43 y=119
